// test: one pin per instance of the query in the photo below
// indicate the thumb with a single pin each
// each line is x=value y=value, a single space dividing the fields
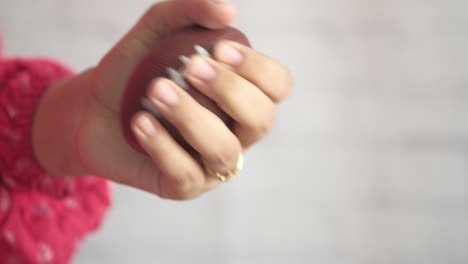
x=170 y=15
x=158 y=21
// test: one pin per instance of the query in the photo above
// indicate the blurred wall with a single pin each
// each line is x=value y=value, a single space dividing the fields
x=368 y=162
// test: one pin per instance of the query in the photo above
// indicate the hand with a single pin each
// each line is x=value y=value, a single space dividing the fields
x=231 y=79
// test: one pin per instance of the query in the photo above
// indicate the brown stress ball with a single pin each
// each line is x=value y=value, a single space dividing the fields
x=165 y=59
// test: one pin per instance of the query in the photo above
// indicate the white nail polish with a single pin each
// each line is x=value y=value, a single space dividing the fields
x=184 y=59
x=201 y=51
x=177 y=77
x=148 y=106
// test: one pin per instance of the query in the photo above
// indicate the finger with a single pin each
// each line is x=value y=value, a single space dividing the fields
x=181 y=177
x=218 y=147
x=266 y=73
x=167 y=16
x=252 y=110
x=158 y=21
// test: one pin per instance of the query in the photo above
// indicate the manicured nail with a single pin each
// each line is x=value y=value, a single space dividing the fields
x=177 y=77
x=146 y=126
x=184 y=59
x=149 y=106
x=229 y=55
x=164 y=93
x=201 y=51
x=201 y=69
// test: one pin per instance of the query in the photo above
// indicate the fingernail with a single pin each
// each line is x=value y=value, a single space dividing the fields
x=149 y=106
x=177 y=77
x=229 y=55
x=164 y=93
x=201 y=69
x=146 y=126
x=184 y=59
x=201 y=51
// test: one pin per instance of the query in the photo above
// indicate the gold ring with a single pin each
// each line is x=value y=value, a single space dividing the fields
x=224 y=177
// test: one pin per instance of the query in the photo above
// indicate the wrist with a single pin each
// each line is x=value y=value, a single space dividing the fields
x=56 y=123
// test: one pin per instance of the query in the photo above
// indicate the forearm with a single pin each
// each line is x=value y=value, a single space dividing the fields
x=56 y=125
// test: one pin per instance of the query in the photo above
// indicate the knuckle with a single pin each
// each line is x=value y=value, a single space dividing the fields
x=182 y=194
x=153 y=22
x=153 y=12
x=185 y=187
x=224 y=158
x=277 y=77
x=270 y=67
x=285 y=84
x=288 y=82
x=261 y=129
x=264 y=125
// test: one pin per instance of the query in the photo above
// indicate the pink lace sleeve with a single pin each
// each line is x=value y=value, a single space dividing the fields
x=42 y=219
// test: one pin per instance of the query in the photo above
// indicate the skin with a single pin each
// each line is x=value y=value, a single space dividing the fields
x=77 y=132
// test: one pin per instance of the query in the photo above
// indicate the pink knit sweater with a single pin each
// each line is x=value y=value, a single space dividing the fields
x=42 y=219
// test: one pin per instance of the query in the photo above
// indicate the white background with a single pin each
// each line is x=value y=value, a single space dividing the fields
x=368 y=162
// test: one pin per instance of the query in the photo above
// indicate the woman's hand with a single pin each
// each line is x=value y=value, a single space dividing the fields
x=244 y=83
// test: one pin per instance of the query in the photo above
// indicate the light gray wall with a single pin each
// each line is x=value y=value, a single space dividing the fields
x=368 y=162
